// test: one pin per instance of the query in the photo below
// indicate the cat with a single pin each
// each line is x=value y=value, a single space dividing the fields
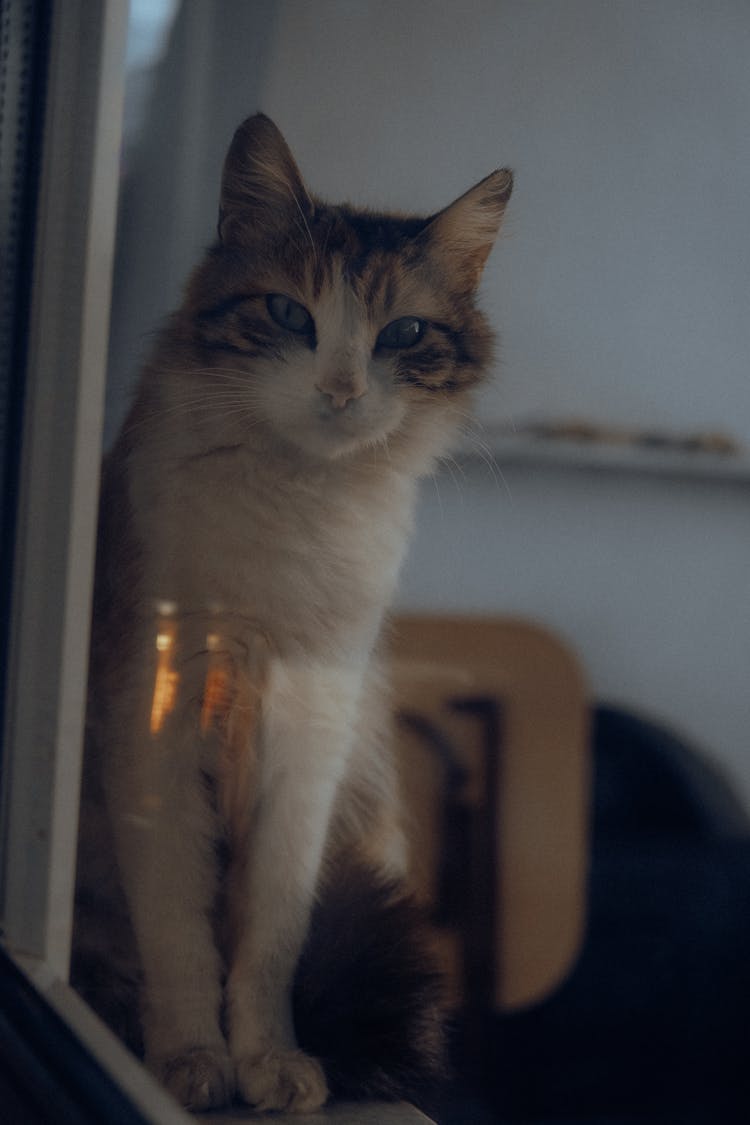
x=255 y=510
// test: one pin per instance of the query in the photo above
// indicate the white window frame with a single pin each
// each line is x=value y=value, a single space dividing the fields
x=56 y=523
x=53 y=566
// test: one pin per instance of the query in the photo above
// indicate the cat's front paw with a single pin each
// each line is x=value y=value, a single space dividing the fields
x=199 y=1078
x=282 y=1079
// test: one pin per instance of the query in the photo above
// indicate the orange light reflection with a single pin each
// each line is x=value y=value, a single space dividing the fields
x=165 y=681
x=217 y=690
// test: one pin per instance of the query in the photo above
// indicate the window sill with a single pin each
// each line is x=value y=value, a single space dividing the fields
x=49 y=1021
x=365 y=1113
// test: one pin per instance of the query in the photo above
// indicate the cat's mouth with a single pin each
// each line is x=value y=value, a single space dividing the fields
x=331 y=434
x=348 y=419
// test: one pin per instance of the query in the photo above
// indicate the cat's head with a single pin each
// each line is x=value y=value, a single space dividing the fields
x=339 y=328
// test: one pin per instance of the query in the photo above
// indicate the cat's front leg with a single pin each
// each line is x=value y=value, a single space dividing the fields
x=307 y=731
x=164 y=828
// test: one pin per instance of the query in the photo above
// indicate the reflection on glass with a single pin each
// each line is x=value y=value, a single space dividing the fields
x=166 y=679
x=216 y=693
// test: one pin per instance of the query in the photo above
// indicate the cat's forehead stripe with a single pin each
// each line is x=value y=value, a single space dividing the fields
x=374 y=291
x=339 y=307
x=364 y=241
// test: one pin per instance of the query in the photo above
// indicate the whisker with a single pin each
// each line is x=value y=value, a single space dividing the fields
x=448 y=457
x=306 y=226
x=439 y=497
x=229 y=406
x=450 y=464
x=225 y=374
x=209 y=402
x=485 y=454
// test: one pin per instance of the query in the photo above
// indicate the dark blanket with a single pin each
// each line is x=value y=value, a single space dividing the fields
x=652 y=1024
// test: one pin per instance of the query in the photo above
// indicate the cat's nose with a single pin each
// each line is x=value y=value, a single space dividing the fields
x=341 y=389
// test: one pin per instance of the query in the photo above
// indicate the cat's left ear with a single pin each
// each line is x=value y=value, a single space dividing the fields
x=262 y=191
x=463 y=234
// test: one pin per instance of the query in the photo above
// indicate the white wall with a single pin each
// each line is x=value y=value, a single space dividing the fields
x=624 y=281
x=648 y=581
x=621 y=286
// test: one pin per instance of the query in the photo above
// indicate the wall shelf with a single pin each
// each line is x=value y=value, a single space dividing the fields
x=594 y=456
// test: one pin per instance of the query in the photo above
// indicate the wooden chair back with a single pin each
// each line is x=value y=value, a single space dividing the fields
x=493 y=749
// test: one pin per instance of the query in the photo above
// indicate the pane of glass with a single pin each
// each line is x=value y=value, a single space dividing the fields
x=240 y=865
x=22 y=65
x=583 y=862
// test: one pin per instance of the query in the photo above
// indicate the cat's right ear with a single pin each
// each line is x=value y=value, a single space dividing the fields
x=462 y=235
x=262 y=191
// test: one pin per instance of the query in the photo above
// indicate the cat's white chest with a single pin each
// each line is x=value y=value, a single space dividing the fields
x=305 y=560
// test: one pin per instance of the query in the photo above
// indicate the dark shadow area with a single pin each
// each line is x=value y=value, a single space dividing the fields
x=47 y=1076
x=651 y=1025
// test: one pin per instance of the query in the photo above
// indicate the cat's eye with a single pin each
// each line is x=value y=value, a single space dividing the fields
x=288 y=314
x=402 y=333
